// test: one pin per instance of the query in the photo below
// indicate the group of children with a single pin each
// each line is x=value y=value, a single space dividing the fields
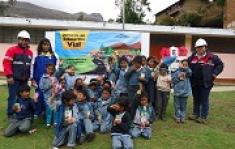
x=125 y=102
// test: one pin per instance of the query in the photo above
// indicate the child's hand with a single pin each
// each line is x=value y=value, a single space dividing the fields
x=70 y=120
x=182 y=75
x=61 y=62
x=142 y=124
x=35 y=97
x=116 y=122
x=133 y=68
x=141 y=79
x=16 y=108
x=115 y=107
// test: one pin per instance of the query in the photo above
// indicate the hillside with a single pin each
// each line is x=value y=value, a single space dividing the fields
x=25 y=9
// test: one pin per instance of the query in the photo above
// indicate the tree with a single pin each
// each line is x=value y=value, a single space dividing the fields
x=135 y=10
x=5 y=5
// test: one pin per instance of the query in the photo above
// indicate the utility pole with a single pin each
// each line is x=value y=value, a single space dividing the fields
x=123 y=14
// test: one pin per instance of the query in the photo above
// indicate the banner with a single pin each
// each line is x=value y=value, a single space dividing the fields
x=88 y=50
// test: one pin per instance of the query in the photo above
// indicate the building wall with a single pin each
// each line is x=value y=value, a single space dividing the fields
x=157 y=41
x=223 y=47
x=229 y=14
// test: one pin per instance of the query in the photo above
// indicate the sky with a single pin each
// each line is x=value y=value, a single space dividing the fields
x=106 y=7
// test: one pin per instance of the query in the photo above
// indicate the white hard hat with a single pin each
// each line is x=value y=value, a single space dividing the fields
x=200 y=42
x=23 y=34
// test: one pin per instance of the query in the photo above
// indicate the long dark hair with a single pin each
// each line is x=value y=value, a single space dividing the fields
x=40 y=49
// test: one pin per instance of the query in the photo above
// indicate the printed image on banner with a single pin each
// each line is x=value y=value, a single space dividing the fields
x=88 y=50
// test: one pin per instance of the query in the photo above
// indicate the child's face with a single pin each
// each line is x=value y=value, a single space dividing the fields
x=105 y=95
x=25 y=94
x=93 y=86
x=62 y=83
x=71 y=71
x=123 y=64
x=144 y=101
x=136 y=65
x=79 y=82
x=151 y=63
x=185 y=64
x=81 y=97
x=46 y=46
x=163 y=73
x=106 y=85
x=50 y=70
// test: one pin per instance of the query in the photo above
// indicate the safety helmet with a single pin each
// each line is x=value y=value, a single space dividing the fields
x=200 y=43
x=23 y=34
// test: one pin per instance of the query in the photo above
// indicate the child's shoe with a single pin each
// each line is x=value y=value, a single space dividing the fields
x=90 y=137
x=177 y=120
x=48 y=125
x=202 y=120
x=182 y=120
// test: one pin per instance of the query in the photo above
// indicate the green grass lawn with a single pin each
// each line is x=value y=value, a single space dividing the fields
x=219 y=133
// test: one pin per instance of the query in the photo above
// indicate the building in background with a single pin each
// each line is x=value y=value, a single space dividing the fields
x=221 y=41
x=229 y=14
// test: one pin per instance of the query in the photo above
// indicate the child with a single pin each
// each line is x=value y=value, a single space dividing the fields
x=24 y=110
x=182 y=89
x=144 y=117
x=151 y=86
x=136 y=76
x=117 y=76
x=79 y=84
x=103 y=120
x=93 y=90
x=67 y=121
x=121 y=125
x=44 y=57
x=70 y=77
x=86 y=115
x=60 y=89
x=48 y=85
x=163 y=91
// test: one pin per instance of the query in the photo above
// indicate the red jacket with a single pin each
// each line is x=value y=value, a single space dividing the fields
x=16 y=55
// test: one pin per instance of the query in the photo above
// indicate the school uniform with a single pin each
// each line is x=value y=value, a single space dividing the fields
x=64 y=130
x=143 y=114
x=23 y=119
x=103 y=119
x=121 y=137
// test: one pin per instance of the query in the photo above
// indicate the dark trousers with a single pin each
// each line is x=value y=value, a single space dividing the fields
x=162 y=102
x=133 y=98
x=13 y=90
x=151 y=90
x=201 y=101
x=40 y=106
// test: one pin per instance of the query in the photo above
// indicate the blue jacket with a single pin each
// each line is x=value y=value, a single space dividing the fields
x=39 y=67
x=45 y=85
x=27 y=108
x=60 y=118
x=120 y=81
x=100 y=109
x=210 y=65
x=132 y=76
x=148 y=114
x=70 y=81
x=85 y=110
x=182 y=88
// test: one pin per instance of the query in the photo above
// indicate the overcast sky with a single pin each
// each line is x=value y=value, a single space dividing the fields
x=105 y=7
